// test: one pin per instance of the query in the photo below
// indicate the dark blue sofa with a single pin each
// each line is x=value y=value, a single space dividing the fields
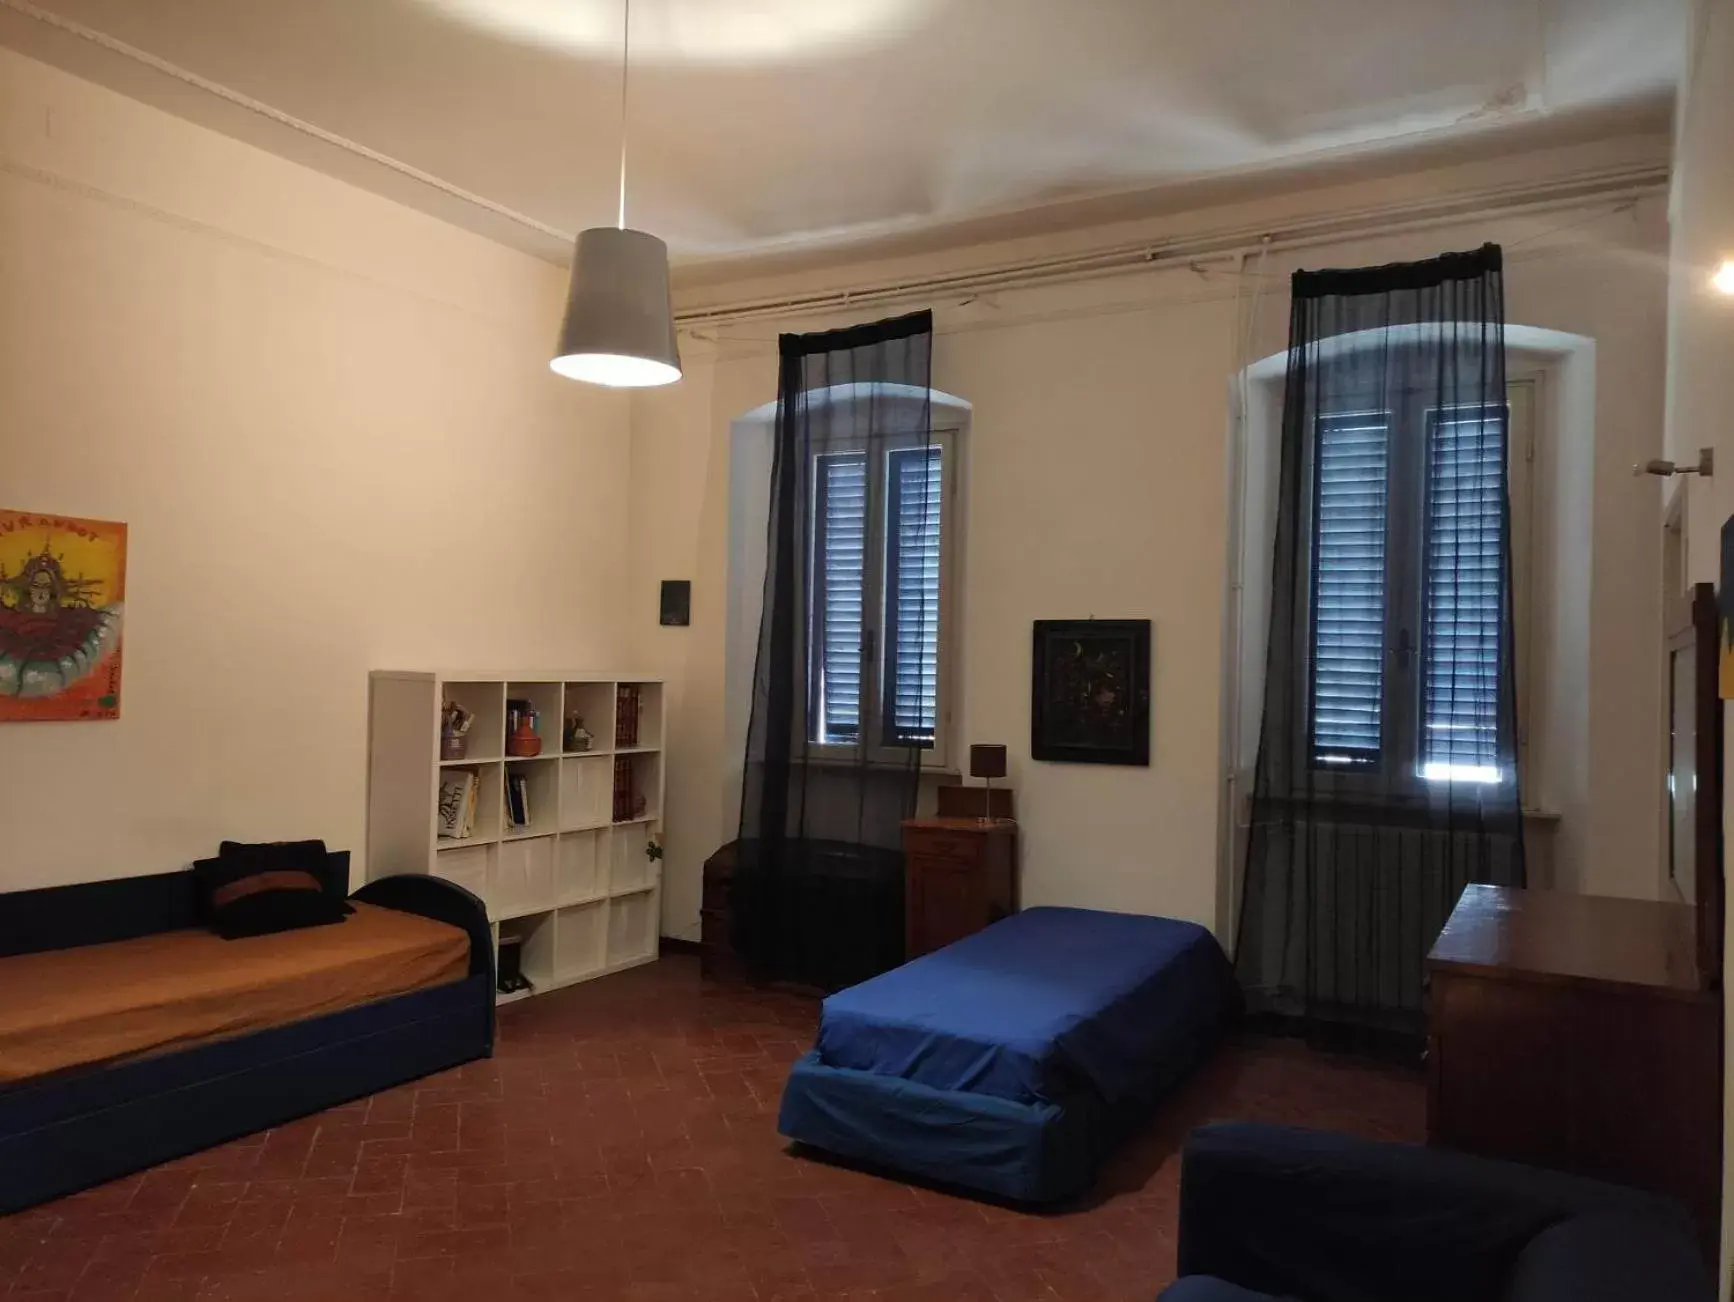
x=74 y=1129
x=1268 y=1212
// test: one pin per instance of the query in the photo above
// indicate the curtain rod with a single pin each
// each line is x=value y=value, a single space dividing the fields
x=1621 y=185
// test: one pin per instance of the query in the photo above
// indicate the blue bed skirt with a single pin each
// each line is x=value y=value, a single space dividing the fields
x=1024 y=1152
x=1016 y=1060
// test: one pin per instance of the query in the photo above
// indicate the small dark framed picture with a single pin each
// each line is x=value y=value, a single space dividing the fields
x=676 y=605
x=1090 y=695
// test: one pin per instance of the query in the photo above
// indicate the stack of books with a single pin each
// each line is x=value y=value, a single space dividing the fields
x=457 y=804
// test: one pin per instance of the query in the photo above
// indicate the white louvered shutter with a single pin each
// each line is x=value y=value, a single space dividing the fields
x=1465 y=592
x=915 y=483
x=840 y=559
x=1349 y=601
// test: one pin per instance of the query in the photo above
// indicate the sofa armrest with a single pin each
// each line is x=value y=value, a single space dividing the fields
x=1611 y=1257
x=1324 y=1216
x=443 y=901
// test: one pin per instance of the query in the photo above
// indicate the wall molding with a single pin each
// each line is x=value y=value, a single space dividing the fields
x=145 y=58
x=1613 y=187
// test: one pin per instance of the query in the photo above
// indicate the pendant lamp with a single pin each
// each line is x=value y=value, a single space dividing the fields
x=619 y=325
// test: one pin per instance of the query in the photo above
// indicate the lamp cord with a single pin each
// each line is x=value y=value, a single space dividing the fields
x=625 y=73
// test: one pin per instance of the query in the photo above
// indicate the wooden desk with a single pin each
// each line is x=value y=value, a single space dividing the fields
x=1572 y=1031
x=960 y=874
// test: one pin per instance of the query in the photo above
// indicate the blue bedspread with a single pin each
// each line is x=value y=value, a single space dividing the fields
x=1038 y=1005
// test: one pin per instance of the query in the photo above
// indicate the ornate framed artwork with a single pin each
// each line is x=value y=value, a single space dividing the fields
x=62 y=598
x=1090 y=693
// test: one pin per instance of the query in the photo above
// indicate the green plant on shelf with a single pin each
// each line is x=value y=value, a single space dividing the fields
x=653 y=850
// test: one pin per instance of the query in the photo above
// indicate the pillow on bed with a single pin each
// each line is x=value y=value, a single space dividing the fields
x=256 y=890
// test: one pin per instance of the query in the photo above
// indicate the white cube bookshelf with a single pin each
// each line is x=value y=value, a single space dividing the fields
x=575 y=883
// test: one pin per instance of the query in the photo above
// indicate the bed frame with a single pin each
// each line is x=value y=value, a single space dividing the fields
x=75 y=1129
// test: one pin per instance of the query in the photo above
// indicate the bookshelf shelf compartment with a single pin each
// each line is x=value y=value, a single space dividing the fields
x=487 y=702
x=572 y=883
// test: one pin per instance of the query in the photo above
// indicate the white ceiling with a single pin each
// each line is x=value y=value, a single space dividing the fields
x=771 y=125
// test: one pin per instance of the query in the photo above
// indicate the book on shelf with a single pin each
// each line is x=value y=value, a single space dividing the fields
x=517 y=801
x=457 y=804
x=627 y=702
x=623 y=777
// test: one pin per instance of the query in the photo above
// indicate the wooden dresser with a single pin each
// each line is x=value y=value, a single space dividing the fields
x=1574 y=1032
x=960 y=874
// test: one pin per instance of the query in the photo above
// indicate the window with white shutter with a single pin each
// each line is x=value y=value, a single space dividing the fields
x=882 y=543
x=1408 y=536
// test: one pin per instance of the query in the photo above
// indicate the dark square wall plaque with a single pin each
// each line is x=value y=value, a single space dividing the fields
x=1090 y=700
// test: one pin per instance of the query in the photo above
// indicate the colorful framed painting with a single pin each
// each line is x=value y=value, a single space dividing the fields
x=62 y=600
x=1090 y=691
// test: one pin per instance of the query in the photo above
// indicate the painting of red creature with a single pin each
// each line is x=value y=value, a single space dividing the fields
x=62 y=598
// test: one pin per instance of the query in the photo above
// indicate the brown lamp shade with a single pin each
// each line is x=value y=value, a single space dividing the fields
x=987 y=761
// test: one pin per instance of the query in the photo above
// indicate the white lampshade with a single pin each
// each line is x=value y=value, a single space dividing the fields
x=1723 y=280
x=619 y=326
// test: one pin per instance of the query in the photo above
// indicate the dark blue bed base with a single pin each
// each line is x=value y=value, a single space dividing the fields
x=1035 y=1145
x=72 y=1130
x=1022 y=1152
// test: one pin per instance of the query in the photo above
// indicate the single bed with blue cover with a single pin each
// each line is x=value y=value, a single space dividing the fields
x=1014 y=1060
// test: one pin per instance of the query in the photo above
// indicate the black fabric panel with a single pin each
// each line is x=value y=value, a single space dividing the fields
x=811 y=807
x=96 y=913
x=841 y=907
x=848 y=338
x=1333 y=1218
x=121 y=908
x=62 y=1134
x=1390 y=683
x=1427 y=274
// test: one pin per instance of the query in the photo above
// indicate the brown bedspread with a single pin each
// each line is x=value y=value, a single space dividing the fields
x=72 y=1007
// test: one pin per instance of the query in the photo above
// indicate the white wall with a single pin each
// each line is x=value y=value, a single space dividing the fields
x=329 y=424
x=1098 y=473
x=1701 y=375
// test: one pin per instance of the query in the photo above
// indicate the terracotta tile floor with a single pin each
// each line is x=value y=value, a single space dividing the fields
x=622 y=1145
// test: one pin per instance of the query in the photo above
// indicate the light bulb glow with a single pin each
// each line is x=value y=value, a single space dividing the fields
x=1723 y=280
x=698 y=31
x=614 y=370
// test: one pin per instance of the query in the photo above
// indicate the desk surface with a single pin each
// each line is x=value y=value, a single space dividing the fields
x=998 y=827
x=1557 y=938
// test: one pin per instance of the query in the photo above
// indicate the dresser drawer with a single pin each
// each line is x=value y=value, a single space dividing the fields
x=959 y=847
x=922 y=864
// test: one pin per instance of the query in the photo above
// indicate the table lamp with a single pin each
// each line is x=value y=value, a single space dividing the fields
x=987 y=762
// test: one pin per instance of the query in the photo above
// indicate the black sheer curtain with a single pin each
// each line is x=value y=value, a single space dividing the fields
x=1387 y=773
x=834 y=748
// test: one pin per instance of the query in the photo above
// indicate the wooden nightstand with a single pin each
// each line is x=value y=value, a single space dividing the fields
x=960 y=875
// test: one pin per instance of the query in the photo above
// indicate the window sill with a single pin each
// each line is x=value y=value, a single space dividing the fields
x=879 y=766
